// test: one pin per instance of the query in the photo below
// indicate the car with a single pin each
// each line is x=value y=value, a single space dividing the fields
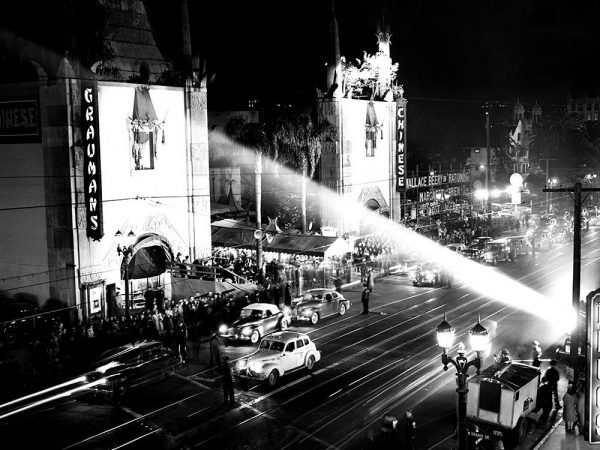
x=317 y=304
x=277 y=355
x=118 y=370
x=495 y=251
x=255 y=321
x=430 y=273
x=456 y=247
x=479 y=242
x=17 y=321
x=541 y=239
x=518 y=245
x=471 y=253
x=561 y=234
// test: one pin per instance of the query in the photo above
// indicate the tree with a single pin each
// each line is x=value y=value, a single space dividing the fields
x=259 y=138
x=300 y=142
x=563 y=137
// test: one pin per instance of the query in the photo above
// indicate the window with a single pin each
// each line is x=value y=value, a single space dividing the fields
x=269 y=313
x=305 y=341
x=299 y=343
x=289 y=347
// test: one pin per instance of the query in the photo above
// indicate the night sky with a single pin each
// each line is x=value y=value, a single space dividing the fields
x=461 y=50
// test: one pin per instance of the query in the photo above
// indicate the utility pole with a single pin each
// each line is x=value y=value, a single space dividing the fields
x=575 y=300
x=488 y=169
x=547 y=177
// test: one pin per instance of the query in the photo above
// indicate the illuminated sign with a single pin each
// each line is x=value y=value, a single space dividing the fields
x=92 y=180
x=19 y=120
x=401 y=145
x=593 y=366
x=437 y=180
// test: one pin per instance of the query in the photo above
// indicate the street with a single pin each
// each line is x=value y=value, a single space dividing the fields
x=385 y=361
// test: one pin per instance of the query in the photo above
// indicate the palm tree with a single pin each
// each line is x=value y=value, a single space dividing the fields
x=260 y=138
x=300 y=141
x=561 y=136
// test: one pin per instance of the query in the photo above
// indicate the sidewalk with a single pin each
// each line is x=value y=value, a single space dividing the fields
x=558 y=438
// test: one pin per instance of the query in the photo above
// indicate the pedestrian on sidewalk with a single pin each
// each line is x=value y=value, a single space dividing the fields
x=544 y=400
x=553 y=376
x=366 y=294
x=536 y=350
x=580 y=406
x=181 y=336
x=227 y=378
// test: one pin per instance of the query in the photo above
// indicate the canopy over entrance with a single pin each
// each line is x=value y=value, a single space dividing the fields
x=182 y=288
x=151 y=255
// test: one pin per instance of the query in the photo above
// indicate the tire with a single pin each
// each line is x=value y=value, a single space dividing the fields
x=314 y=318
x=283 y=325
x=254 y=337
x=310 y=362
x=521 y=431
x=342 y=309
x=273 y=378
x=415 y=283
x=169 y=372
x=11 y=338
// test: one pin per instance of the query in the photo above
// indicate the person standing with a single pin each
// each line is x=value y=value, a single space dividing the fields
x=570 y=409
x=215 y=345
x=580 y=406
x=409 y=431
x=553 y=376
x=181 y=335
x=366 y=294
x=370 y=280
x=227 y=378
x=544 y=400
x=536 y=353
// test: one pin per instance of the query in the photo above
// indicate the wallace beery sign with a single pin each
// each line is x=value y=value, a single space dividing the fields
x=19 y=120
x=92 y=180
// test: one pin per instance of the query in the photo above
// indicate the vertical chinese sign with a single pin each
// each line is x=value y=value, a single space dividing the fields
x=92 y=179
x=400 y=144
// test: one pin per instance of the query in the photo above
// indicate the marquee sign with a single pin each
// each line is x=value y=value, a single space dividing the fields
x=92 y=179
x=20 y=120
x=437 y=180
x=400 y=144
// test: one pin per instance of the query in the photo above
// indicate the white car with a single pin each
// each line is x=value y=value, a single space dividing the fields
x=278 y=354
x=456 y=247
x=255 y=321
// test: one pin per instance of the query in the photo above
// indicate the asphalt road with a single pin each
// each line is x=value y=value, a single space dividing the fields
x=386 y=361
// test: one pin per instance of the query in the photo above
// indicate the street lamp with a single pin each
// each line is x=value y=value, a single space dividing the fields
x=126 y=250
x=479 y=341
x=552 y=182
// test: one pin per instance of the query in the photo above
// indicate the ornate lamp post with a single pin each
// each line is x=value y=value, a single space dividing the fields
x=552 y=182
x=479 y=340
x=126 y=250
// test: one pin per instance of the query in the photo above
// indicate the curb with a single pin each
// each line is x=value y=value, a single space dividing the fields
x=547 y=435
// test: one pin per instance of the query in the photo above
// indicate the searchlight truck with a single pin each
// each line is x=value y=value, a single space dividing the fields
x=500 y=399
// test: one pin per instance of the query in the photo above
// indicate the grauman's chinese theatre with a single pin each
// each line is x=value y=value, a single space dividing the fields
x=88 y=166
x=366 y=163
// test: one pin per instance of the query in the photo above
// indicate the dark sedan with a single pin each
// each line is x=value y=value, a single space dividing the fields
x=316 y=304
x=125 y=367
x=255 y=321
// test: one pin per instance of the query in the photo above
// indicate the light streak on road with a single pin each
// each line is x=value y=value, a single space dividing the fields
x=42 y=392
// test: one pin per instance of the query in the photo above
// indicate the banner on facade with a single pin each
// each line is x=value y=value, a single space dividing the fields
x=92 y=179
x=19 y=121
x=401 y=145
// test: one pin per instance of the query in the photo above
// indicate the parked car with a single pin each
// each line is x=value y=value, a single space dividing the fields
x=562 y=234
x=255 y=321
x=496 y=251
x=456 y=247
x=128 y=366
x=17 y=321
x=316 y=304
x=278 y=354
x=541 y=239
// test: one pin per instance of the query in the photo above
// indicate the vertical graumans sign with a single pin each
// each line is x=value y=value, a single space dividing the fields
x=401 y=144
x=92 y=179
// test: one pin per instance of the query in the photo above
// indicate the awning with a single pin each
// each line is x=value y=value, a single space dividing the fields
x=182 y=288
x=233 y=233
x=310 y=245
x=151 y=254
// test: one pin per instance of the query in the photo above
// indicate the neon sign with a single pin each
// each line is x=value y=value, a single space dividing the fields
x=92 y=180
x=401 y=145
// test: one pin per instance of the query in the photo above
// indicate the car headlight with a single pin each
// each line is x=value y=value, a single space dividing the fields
x=255 y=366
x=246 y=331
x=223 y=329
x=242 y=363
